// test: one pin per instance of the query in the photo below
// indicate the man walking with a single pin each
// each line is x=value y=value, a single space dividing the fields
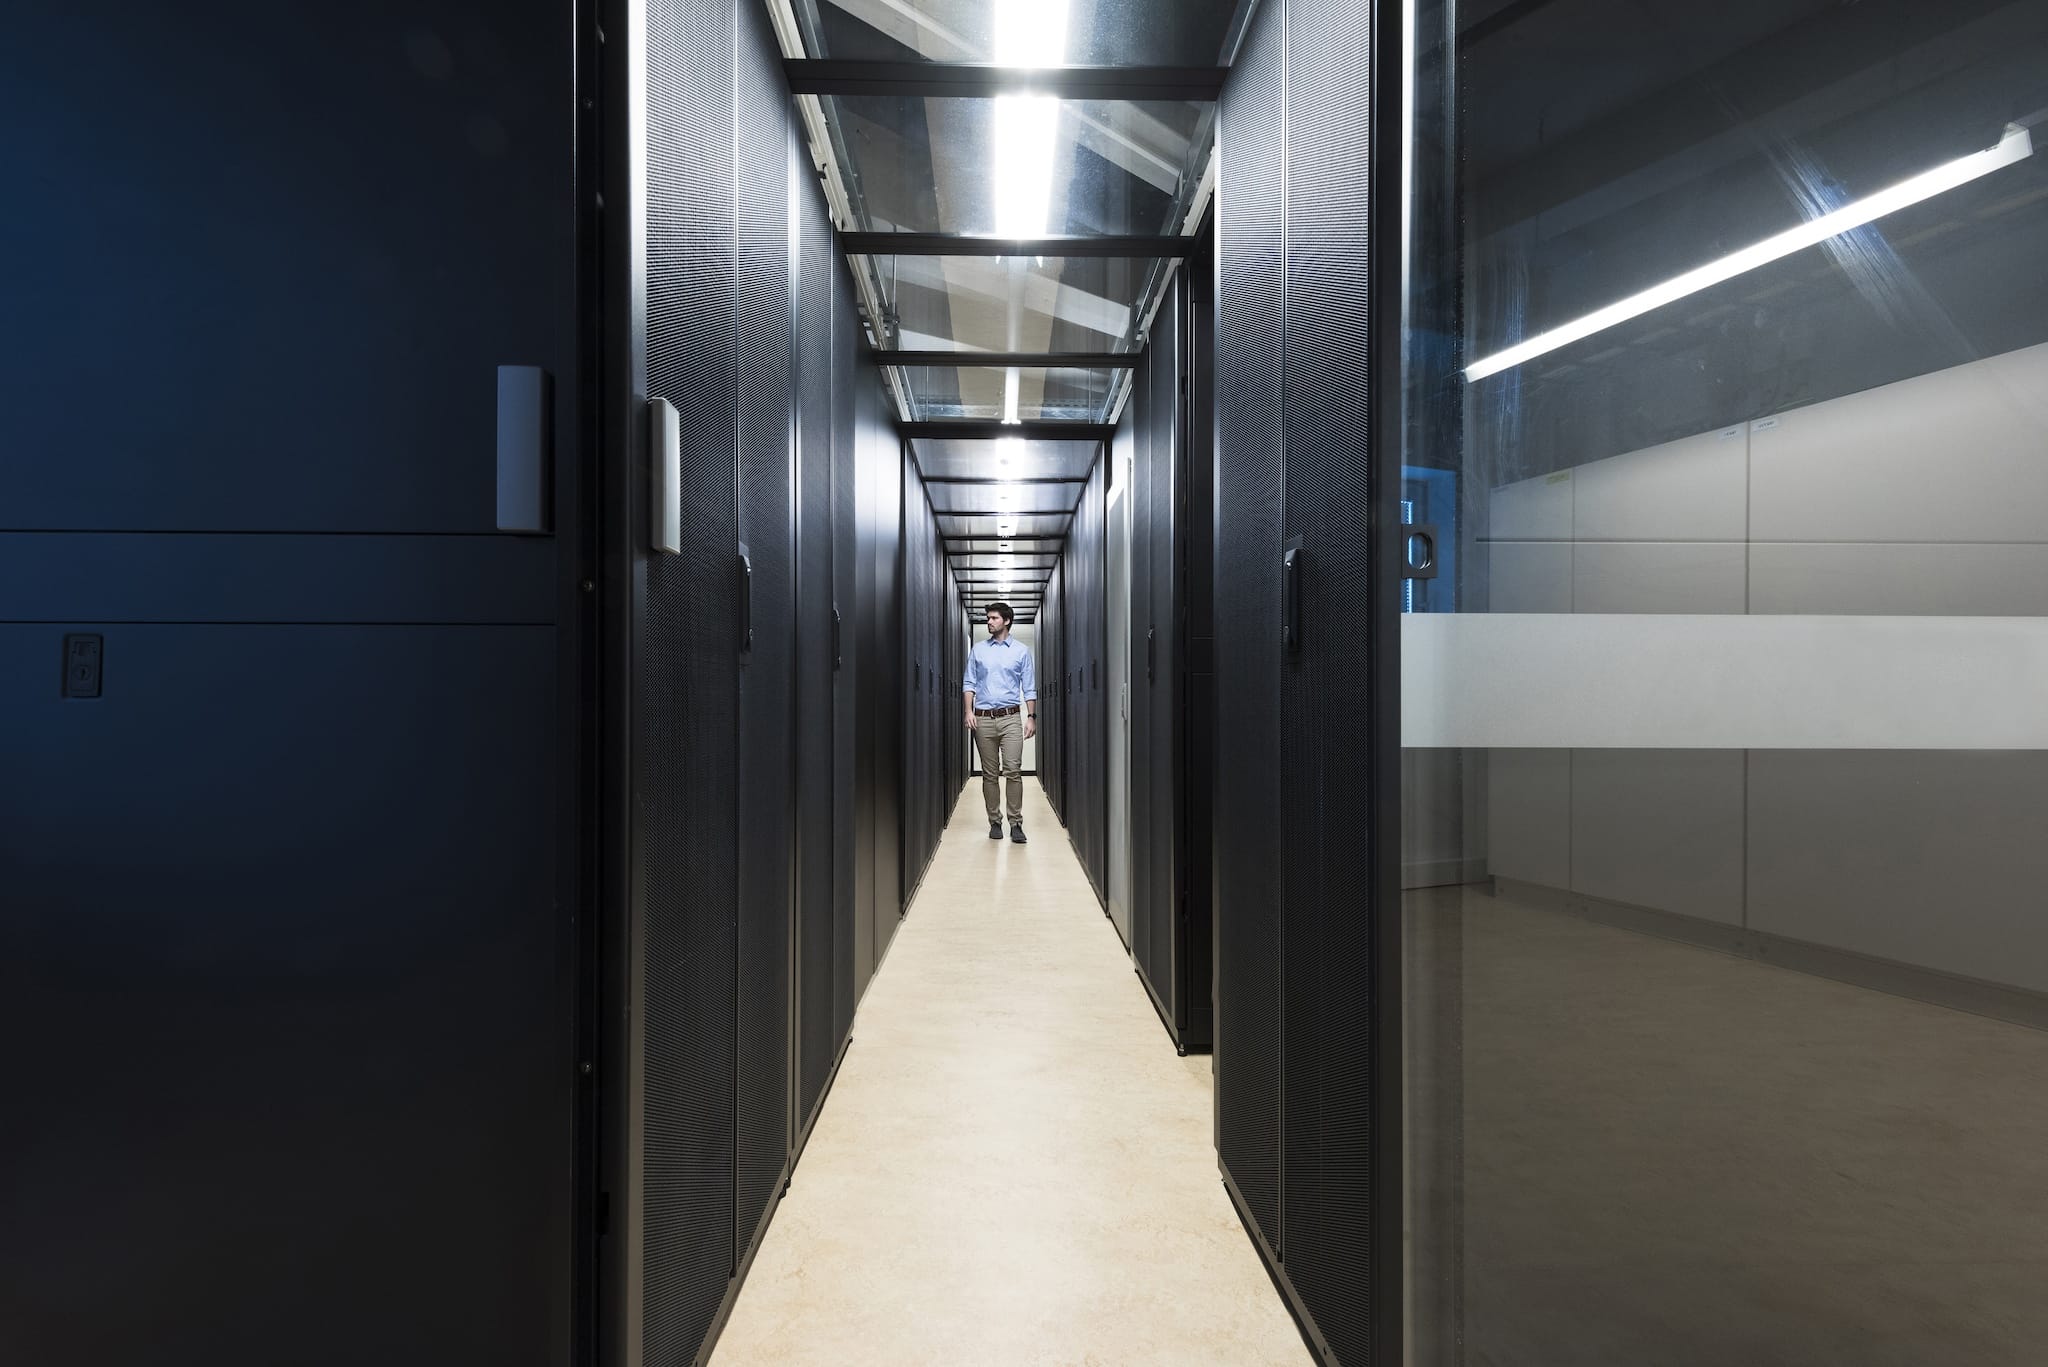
x=1001 y=689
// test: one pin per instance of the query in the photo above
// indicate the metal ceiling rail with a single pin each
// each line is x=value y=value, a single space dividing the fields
x=991 y=360
x=998 y=479
x=972 y=80
x=988 y=429
x=976 y=244
x=970 y=536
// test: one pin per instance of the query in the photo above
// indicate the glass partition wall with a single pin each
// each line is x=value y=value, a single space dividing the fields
x=1725 y=688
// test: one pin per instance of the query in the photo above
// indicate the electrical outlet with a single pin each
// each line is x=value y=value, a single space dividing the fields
x=82 y=656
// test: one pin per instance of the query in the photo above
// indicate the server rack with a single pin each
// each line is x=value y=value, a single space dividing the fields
x=1305 y=821
x=292 y=889
x=1172 y=713
x=743 y=704
x=1083 y=618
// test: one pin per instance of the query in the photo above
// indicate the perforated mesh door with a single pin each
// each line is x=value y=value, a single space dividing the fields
x=767 y=757
x=1327 y=911
x=1249 y=474
x=1163 y=719
x=847 y=867
x=817 y=943
x=685 y=702
x=1137 y=419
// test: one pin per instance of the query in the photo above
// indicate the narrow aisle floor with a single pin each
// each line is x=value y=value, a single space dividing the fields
x=1014 y=1167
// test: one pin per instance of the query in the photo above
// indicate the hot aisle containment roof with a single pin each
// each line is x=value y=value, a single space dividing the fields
x=1015 y=182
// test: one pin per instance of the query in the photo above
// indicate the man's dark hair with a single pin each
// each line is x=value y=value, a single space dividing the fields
x=1009 y=617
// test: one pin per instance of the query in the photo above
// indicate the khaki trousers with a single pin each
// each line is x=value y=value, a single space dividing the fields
x=1001 y=743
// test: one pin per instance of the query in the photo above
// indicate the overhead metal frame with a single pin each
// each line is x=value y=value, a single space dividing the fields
x=980 y=80
x=977 y=244
x=998 y=479
x=1005 y=360
x=990 y=429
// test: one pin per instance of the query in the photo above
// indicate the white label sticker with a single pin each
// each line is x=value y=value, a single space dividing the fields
x=1764 y=424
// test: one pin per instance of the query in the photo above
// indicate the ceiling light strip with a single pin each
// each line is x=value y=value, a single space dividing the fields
x=2016 y=146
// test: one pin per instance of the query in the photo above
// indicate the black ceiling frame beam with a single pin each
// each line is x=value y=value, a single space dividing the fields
x=980 y=80
x=997 y=536
x=1004 y=360
x=998 y=479
x=1136 y=248
x=1004 y=512
x=1035 y=536
x=988 y=429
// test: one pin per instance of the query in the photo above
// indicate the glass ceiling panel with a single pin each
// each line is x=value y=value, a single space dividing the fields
x=1019 y=393
x=1008 y=303
x=1028 y=554
x=1012 y=456
x=1043 y=524
x=1023 y=499
x=1022 y=558
x=1021 y=32
x=947 y=165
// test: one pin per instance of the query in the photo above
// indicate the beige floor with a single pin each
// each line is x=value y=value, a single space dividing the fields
x=1014 y=1167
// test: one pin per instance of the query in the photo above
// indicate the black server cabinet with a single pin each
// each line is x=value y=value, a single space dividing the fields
x=674 y=1047
x=1306 y=622
x=729 y=1013
x=821 y=947
x=884 y=676
x=1052 y=695
x=767 y=774
x=290 y=883
x=849 y=870
x=930 y=708
x=1084 y=617
x=1171 y=718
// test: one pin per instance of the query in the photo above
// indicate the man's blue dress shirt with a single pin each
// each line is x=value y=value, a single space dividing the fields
x=1000 y=674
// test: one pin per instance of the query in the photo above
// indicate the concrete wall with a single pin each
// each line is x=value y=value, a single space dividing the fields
x=1928 y=497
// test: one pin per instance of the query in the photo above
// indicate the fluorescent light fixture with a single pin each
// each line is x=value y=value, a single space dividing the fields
x=1010 y=383
x=1028 y=33
x=2017 y=145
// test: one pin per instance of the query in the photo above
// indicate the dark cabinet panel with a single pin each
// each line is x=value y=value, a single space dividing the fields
x=684 y=746
x=308 y=237
x=1303 y=758
x=289 y=986
x=1250 y=531
x=766 y=280
x=817 y=652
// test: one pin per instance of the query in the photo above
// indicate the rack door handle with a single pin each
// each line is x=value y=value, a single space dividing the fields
x=837 y=658
x=525 y=450
x=665 y=478
x=746 y=601
x=1290 y=600
x=1418 y=550
x=1151 y=651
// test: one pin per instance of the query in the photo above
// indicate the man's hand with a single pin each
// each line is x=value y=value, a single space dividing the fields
x=1030 y=725
x=973 y=722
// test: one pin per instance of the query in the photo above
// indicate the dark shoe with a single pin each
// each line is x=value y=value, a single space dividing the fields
x=1017 y=834
x=995 y=830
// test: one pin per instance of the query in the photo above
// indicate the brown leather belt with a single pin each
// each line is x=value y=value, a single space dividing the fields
x=997 y=711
